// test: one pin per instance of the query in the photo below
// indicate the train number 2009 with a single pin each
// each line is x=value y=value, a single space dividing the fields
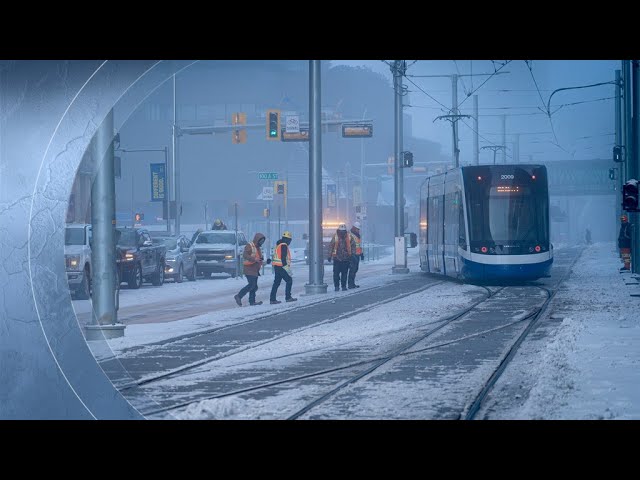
x=506 y=177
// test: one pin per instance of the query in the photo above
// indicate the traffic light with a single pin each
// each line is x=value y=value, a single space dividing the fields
x=617 y=154
x=280 y=189
x=407 y=159
x=630 y=196
x=139 y=217
x=612 y=173
x=239 y=136
x=273 y=124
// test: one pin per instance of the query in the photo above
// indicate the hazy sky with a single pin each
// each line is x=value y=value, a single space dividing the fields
x=517 y=91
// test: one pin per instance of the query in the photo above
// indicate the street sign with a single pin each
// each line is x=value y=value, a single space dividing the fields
x=301 y=136
x=292 y=124
x=356 y=130
x=157 y=182
x=267 y=176
x=267 y=193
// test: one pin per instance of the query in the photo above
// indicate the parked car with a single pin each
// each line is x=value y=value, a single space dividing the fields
x=217 y=252
x=180 y=259
x=140 y=259
x=77 y=256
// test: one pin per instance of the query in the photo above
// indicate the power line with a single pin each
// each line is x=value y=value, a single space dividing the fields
x=432 y=98
x=490 y=77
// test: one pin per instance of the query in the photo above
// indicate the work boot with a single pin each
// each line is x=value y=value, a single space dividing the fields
x=275 y=302
x=256 y=303
x=337 y=289
x=291 y=299
x=344 y=289
x=238 y=300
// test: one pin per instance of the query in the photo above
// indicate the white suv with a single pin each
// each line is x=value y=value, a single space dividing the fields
x=77 y=256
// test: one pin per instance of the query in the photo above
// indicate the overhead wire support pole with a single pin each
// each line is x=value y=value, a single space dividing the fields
x=495 y=148
x=454 y=120
x=400 y=251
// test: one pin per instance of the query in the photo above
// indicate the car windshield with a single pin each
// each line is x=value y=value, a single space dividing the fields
x=216 y=238
x=74 y=236
x=170 y=243
x=127 y=237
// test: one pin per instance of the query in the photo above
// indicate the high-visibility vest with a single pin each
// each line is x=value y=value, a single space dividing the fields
x=336 y=239
x=255 y=252
x=276 y=261
x=358 y=241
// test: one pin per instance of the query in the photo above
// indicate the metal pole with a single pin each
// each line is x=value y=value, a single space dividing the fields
x=133 y=216
x=166 y=194
x=618 y=142
x=504 y=139
x=316 y=256
x=279 y=234
x=173 y=161
x=400 y=253
x=516 y=148
x=235 y=208
x=476 y=142
x=635 y=161
x=454 y=124
x=347 y=216
x=286 y=195
x=103 y=254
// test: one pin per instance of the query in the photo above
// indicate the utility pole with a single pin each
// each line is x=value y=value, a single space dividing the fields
x=516 y=148
x=174 y=164
x=400 y=249
x=618 y=143
x=504 y=139
x=476 y=134
x=495 y=148
x=235 y=208
x=316 y=256
x=635 y=161
x=104 y=323
x=454 y=107
x=454 y=121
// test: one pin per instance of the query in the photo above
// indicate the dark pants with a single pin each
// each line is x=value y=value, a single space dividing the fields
x=340 y=272
x=281 y=274
x=353 y=269
x=251 y=287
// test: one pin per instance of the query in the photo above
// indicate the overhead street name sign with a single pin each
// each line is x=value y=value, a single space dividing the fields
x=267 y=176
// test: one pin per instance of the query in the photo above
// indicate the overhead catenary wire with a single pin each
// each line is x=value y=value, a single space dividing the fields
x=480 y=86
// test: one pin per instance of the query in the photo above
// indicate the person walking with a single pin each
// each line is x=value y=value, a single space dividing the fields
x=340 y=250
x=624 y=242
x=281 y=263
x=253 y=260
x=355 y=257
x=218 y=225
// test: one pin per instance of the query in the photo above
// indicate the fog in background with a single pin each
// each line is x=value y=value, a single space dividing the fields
x=216 y=173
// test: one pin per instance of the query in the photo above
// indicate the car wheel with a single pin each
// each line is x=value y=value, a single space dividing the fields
x=158 y=277
x=84 y=291
x=192 y=276
x=135 y=277
x=179 y=274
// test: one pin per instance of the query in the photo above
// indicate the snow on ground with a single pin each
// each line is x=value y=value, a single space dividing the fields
x=590 y=368
x=373 y=330
x=143 y=334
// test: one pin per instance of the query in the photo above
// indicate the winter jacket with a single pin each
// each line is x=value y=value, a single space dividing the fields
x=343 y=252
x=253 y=263
x=624 y=238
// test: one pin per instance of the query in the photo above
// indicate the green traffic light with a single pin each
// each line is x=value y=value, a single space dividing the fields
x=273 y=133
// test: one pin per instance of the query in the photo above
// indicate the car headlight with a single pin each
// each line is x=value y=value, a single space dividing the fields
x=129 y=256
x=73 y=262
x=228 y=257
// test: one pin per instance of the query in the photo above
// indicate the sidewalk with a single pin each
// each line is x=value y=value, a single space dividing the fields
x=587 y=364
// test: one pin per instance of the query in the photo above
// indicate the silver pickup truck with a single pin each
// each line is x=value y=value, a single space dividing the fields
x=217 y=252
x=77 y=256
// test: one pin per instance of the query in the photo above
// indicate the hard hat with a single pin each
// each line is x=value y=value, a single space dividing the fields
x=287 y=234
x=217 y=222
x=623 y=218
x=357 y=225
x=342 y=226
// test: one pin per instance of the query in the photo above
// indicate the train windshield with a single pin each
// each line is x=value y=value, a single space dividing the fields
x=511 y=212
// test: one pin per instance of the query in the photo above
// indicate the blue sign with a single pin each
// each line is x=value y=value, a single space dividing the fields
x=157 y=182
x=331 y=195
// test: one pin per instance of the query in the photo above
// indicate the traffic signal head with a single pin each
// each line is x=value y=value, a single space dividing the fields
x=139 y=217
x=630 y=196
x=280 y=188
x=407 y=159
x=273 y=125
x=617 y=154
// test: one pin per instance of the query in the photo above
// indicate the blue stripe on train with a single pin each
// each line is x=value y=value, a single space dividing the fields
x=481 y=271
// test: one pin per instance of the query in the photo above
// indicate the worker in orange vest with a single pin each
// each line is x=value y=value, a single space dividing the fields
x=253 y=260
x=342 y=244
x=355 y=256
x=281 y=263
